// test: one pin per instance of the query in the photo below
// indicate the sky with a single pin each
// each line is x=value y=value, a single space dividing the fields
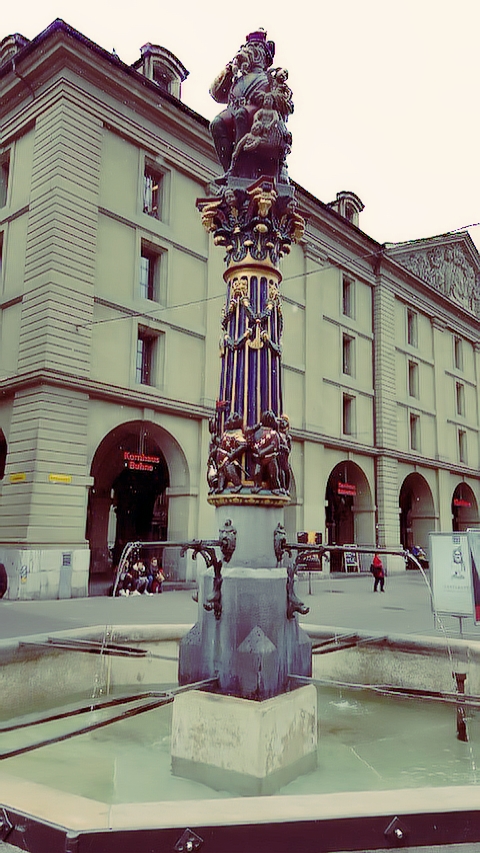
x=385 y=94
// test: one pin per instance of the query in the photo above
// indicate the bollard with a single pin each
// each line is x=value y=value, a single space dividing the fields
x=462 y=733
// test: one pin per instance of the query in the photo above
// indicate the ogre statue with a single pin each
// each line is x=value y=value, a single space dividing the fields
x=250 y=135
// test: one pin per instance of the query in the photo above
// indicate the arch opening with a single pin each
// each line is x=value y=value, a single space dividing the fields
x=417 y=512
x=3 y=454
x=349 y=510
x=464 y=508
x=128 y=500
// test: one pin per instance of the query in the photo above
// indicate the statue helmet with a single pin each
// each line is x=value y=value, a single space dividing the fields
x=260 y=37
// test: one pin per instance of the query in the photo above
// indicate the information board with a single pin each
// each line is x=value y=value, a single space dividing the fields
x=450 y=573
x=350 y=559
x=473 y=538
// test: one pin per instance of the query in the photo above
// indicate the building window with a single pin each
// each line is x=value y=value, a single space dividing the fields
x=462 y=445
x=153 y=192
x=149 y=274
x=415 y=432
x=412 y=328
x=458 y=353
x=4 y=175
x=413 y=379
x=460 y=398
x=145 y=361
x=348 y=415
x=348 y=296
x=348 y=355
x=1 y=255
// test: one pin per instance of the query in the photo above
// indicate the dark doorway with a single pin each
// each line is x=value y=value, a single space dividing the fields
x=137 y=501
x=349 y=515
x=464 y=508
x=128 y=500
x=3 y=454
x=417 y=514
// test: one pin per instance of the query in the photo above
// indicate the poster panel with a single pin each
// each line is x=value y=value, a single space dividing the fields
x=473 y=537
x=450 y=574
x=350 y=559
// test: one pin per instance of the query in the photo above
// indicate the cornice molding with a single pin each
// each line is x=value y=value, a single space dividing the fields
x=148 y=398
x=158 y=403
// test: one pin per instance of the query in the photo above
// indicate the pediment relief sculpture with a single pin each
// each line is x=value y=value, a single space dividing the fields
x=448 y=269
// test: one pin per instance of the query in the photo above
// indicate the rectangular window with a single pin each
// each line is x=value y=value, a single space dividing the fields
x=462 y=445
x=415 y=432
x=460 y=398
x=348 y=415
x=153 y=192
x=1 y=255
x=348 y=355
x=4 y=175
x=458 y=353
x=413 y=379
x=149 y=274
x=348 y=293
x=145 y=357
x=412 y=328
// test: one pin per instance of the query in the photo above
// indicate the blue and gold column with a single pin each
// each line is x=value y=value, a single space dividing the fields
x=250 y=442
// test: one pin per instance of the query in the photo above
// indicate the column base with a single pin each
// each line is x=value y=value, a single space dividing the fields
x=245 y=747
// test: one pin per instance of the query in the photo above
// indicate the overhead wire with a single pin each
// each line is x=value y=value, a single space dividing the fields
x=322 y=267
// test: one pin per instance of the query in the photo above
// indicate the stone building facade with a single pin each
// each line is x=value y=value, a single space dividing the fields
x=111 y=295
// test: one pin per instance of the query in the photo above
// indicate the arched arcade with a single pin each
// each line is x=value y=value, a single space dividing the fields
x=417 y=512
x=349 y=510
x=464 y=508
x=133 y=469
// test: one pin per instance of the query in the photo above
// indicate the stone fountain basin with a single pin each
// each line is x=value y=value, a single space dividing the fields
x=34 y=675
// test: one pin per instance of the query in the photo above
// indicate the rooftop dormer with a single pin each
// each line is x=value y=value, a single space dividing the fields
x=348 y=205
x=160 y=65
x=11 y=45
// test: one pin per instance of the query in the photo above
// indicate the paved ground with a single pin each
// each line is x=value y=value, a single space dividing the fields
x=345 y=602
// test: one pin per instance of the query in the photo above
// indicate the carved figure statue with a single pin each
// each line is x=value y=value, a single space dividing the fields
x=227 y=537
x=294 y=605
x=264 y=441
x=251 y=120
x=284 y=452
x=268 y=131
x=232 y=445
x=212 y=470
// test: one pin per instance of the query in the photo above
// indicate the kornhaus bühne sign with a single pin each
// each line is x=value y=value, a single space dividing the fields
x=140 y=461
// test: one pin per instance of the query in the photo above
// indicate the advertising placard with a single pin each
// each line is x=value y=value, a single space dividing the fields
x=473 y=537
x=450 y=574
x=350 y=559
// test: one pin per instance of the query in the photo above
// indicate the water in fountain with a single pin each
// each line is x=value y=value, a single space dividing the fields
x=367 y=742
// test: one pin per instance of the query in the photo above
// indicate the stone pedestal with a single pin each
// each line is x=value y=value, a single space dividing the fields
x=245 y=747
x=252 y=647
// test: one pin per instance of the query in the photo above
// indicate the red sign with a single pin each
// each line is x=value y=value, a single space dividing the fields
x=347 y=489
x=139 y=461
x=461 y=502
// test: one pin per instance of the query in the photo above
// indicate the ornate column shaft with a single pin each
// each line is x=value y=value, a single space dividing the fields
x=250 y=445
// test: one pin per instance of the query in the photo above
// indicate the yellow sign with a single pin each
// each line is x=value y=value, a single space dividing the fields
x=60 y=478
x=18 y=478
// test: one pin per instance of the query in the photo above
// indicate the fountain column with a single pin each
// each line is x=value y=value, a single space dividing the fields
x=247 y=634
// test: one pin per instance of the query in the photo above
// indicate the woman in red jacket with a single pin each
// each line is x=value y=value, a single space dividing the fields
x=378 y=573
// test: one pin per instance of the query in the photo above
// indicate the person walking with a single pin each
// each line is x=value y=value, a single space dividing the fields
x=378 y=573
